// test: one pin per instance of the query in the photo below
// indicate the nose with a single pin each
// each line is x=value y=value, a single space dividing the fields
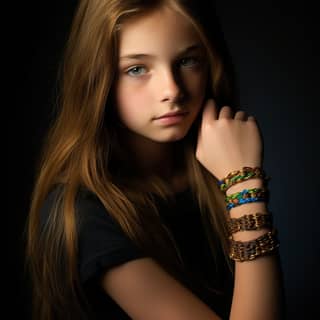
x=171 y=87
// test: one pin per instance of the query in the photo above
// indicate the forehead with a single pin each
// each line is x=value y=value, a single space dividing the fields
x=157 y=32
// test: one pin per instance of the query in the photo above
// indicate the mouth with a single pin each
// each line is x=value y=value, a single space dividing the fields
x=172 y=114
x=171 y=118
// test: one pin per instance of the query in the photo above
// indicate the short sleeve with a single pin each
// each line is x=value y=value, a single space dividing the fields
x=102 y=243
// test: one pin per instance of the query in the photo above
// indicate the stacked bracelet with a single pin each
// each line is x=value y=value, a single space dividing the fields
x=244 y=174
x=248 y=222
x=246 y=196
x=250 y=250
x=265 y=244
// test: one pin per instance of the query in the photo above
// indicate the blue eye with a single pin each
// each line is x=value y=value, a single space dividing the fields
x=136 y=71
x=189 y=62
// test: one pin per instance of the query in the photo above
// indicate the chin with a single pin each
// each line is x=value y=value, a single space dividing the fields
x=172 y=137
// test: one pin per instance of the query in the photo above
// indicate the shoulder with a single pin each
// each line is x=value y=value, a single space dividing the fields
x=86 y=204
x=101 y=242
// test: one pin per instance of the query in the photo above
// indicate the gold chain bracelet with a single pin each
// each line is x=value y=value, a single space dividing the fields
x=250 y=250
x=254 y=221
x=243 y=174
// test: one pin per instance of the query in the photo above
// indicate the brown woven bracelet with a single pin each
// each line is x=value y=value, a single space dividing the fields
x=250 y=250
x=254 y=221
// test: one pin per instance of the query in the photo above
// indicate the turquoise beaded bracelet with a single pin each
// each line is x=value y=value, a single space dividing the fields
x=246 y=196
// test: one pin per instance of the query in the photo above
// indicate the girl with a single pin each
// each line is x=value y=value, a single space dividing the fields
x=128 y=218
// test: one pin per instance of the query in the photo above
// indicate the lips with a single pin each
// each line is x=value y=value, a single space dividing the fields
x=172 y=114
x=171 y=118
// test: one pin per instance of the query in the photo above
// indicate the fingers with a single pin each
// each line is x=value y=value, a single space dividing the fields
x=210 y=110
x=225 y=112
x=240 y=115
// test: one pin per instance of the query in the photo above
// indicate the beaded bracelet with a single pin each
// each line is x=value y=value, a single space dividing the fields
x=244 y=174
x=254 y=221
x=246 y=196
x=250 y=250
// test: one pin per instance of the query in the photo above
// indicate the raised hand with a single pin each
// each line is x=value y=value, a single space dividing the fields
x=228 y=142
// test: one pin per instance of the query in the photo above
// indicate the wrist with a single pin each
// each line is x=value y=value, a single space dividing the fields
x=247 y=208
x=247 y=184
x=249 y=235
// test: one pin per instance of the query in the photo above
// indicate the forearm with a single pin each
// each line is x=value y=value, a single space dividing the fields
x=258 y=284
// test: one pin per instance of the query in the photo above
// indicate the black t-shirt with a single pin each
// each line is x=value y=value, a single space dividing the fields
x=103 y=244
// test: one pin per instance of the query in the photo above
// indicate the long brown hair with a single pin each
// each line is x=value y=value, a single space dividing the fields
x=82 y=149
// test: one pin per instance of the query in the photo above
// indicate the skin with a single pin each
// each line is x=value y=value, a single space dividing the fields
x=159 y=73
x=168 y=73
x=226 y=142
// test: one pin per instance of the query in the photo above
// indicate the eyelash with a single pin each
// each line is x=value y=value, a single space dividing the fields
x=195 y=62
x=132 y=69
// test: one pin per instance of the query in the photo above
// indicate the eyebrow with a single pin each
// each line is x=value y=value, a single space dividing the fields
x=137 y=56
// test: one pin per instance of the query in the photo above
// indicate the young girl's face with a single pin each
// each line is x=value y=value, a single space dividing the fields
x=161 y=70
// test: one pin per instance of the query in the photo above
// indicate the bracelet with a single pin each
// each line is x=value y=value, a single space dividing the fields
x=244 y=174
x=246 y=196
x=250 y=250
x=254 y=221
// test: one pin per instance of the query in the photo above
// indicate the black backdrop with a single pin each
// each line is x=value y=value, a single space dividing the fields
x=273 y=46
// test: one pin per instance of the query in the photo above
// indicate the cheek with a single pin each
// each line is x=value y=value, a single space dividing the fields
x=131 y=102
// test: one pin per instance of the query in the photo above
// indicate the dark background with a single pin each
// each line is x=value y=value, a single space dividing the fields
x=273 y=46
